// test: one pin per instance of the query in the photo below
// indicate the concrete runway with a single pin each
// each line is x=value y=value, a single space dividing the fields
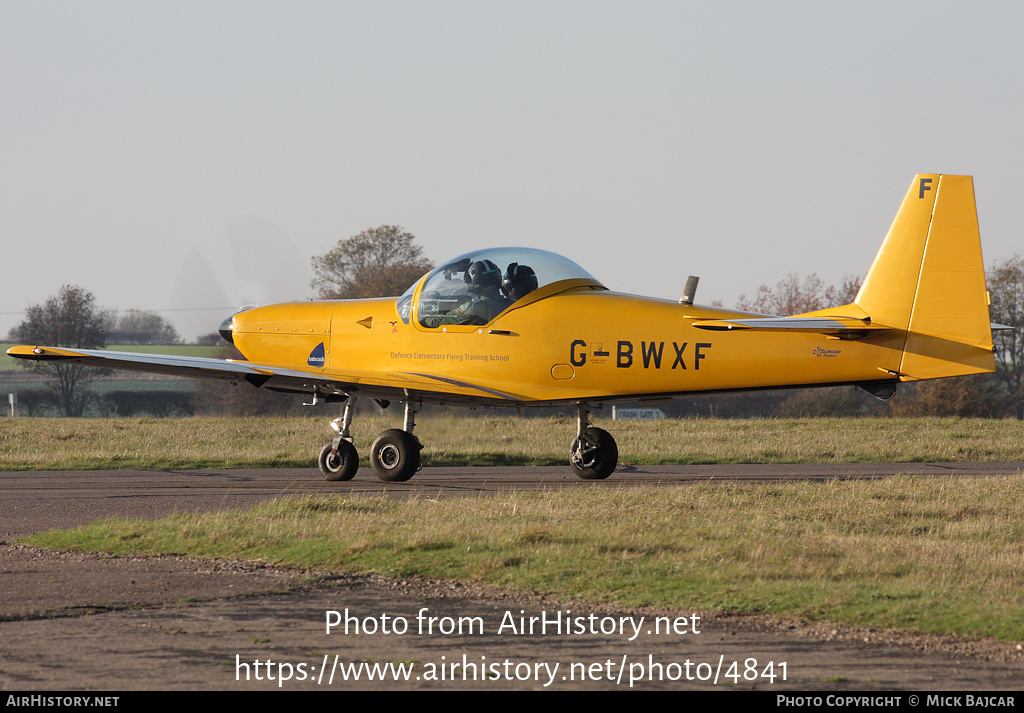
x=78 y=621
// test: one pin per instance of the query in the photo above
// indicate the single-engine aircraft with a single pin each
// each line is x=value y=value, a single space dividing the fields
x=521 y=328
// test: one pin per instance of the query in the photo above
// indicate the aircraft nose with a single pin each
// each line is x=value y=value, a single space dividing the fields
x=227 y=328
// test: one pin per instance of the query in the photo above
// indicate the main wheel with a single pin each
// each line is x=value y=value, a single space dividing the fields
x=597 y=457
x=395 y=455
x=342 y=465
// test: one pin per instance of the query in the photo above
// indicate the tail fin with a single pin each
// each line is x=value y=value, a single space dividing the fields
x=928 y=280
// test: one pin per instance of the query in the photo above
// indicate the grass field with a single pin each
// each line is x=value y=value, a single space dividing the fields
x=62 y=444
x=939 y=555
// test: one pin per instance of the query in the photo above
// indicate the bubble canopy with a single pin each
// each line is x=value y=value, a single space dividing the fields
x=446 y=287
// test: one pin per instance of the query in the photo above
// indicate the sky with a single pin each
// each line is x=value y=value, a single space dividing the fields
x=190 y=157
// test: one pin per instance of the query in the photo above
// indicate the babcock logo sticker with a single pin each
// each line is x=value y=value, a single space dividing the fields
x=317 y=356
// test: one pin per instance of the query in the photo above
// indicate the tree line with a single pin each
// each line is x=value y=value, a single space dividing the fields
x=384 y=261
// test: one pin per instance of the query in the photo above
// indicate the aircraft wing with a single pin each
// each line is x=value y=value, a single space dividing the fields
x=816 y=325
x=396 y=385
x=195 y=367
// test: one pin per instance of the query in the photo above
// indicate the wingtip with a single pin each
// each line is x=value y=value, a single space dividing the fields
x=24 y=351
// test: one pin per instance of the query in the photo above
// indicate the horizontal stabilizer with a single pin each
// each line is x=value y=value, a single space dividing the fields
x=816 y=325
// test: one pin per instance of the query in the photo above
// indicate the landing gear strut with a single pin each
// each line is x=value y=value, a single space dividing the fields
x=338 y=459
x=394 y=456
x=593 y=454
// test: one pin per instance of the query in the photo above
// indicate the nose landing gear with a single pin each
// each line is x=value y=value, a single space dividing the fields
x=338 y=462
x=339 y=459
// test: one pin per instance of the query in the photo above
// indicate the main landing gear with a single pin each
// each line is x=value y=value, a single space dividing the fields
x=394 y=455
x=593 y=454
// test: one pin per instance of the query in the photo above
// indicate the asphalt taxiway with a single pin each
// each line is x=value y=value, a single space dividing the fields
x=45 y=500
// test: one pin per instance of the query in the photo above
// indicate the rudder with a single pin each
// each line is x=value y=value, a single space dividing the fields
x=928 y=279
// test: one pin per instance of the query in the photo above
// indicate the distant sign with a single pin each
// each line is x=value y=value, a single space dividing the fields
x=637 y=414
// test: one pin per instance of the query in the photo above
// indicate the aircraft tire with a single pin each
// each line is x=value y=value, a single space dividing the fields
x=395 y=456
x=342 y=466
x=599 y=463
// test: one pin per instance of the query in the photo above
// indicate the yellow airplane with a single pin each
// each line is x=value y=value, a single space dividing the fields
x=520 y=327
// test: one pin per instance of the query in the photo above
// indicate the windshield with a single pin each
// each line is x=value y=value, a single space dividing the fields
x=483 y=283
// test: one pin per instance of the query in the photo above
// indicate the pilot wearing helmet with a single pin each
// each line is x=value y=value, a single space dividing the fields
x=519 y=281
x=484 y=280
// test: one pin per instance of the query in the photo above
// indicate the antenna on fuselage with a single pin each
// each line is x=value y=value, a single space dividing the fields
x=690 y=290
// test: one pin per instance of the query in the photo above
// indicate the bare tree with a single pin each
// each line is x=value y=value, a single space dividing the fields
x=69 y=319
x=378 y=262
x=1006 y=289
x=793 y=296
x=136 y=326
x=796 y=296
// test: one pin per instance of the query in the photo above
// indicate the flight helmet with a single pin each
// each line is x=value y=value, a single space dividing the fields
x=519 y=281
x=483 y=274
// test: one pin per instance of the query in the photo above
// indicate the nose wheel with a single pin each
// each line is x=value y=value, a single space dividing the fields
x=338 y=462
